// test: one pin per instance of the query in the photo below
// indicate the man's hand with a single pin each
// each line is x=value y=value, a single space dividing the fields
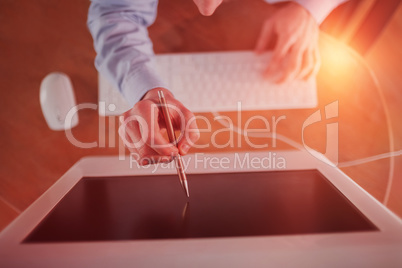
x=143 y=127
x=296 y=52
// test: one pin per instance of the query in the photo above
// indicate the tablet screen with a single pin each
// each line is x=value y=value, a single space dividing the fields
x=220 y=205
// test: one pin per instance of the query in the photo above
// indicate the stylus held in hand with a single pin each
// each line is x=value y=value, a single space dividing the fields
x=172 y=139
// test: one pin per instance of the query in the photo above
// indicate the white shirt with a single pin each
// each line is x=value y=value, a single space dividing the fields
x=124 y=50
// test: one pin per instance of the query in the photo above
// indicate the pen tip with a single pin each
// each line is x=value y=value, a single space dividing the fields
x=185 y=186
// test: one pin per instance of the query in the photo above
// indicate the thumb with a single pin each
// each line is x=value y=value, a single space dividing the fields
x=190 y=135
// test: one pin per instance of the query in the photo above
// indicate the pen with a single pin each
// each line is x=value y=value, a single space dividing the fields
x=172 y=139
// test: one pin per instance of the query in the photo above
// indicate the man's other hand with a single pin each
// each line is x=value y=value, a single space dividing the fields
x=296 y=54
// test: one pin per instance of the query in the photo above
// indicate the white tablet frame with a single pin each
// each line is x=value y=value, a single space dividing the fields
x=381 y=248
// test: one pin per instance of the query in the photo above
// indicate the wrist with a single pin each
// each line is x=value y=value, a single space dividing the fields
x=153 y=93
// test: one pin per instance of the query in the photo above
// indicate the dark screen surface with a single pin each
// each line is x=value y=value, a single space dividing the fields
x=220 y=205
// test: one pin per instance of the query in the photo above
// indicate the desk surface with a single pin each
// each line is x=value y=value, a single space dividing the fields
x=33 y=157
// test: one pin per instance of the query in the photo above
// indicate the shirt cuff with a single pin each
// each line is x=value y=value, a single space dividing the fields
x=139 y=82
x=319 y=9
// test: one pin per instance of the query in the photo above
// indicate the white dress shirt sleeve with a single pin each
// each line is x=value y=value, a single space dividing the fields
x=319 y=9
x=124 y=50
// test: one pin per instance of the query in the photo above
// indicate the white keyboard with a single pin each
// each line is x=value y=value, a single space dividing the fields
x=220 y=81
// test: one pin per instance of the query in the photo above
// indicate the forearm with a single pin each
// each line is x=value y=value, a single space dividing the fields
x=124 y=50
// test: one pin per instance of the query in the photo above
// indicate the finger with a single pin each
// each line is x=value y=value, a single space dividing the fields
x=153 y=133
x=317 y=60
x=265 y=35
x=282 y=48
x=292 y=67
x=285 y=42
x=144 y=155
x=147 y=155
x=314 y=53
x=175 y=110
x=191 y=133
x=185 y=121
x=310 y=57
x=129 y=140
x=308 y=64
